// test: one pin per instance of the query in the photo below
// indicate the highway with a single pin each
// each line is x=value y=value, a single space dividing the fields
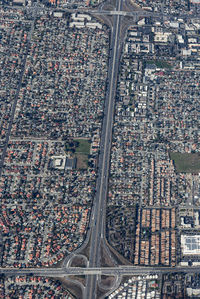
x=93 y=272
x=97 y=232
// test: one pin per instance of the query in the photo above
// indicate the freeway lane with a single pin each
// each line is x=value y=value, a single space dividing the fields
x=92 y=272
x=99 y=205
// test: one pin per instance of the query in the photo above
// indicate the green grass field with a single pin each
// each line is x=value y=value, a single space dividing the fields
x=83 y=147
x=160 y=64
x=186 y=162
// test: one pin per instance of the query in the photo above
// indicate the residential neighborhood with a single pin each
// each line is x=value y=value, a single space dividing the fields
x=46 y=205
x=30 y=287
x=99 y=149
x=154 y=169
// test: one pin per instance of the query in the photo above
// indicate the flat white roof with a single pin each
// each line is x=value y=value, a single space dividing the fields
x=190 y=244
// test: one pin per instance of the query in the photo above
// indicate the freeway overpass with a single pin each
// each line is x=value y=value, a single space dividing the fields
x=119 y=271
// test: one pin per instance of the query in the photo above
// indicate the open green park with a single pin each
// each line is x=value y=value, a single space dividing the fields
x=186 y=162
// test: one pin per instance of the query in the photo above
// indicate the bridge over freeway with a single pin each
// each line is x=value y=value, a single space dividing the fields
x=120 y=271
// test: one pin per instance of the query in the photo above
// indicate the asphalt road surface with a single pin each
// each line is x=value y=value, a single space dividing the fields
x=101 y=194
x=92 y=272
